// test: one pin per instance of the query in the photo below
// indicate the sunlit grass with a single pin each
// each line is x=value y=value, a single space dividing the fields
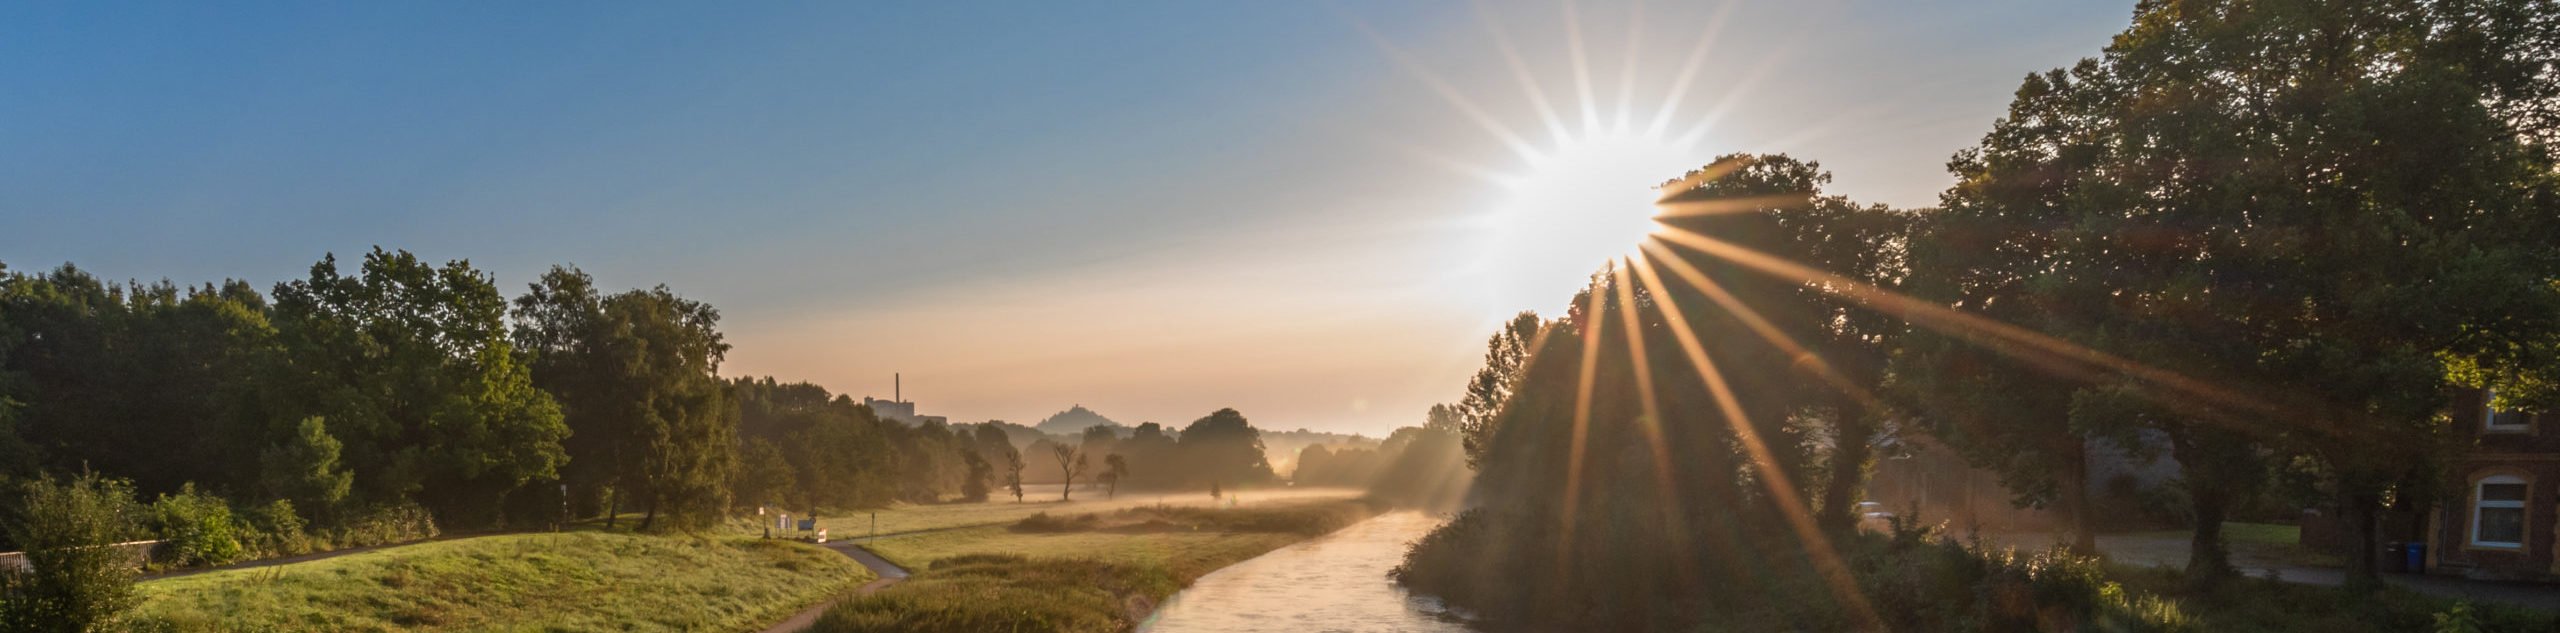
x=1106 y=573
x=913 y=518
x=580 y=581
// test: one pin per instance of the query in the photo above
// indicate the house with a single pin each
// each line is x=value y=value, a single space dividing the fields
x=2500 y=520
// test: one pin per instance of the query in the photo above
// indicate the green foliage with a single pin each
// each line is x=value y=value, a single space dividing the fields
x=386 y=524
x=764 y=476
x=411 y=368
x=305 y=468
x=638 y=370
x=199 y=527
x=80 y=581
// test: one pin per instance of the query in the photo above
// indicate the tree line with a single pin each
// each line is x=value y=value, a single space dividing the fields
x=2285 y=236
x=365 y=401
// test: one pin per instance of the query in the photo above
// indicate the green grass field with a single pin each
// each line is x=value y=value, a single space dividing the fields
x=1103 y=572
x=578 y=581
x=913 y=518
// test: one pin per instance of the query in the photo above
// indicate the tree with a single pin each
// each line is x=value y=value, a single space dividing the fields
x=410 y=366
x=2310 y=241
x=764 y=476
x=305 y=469
x=1013 y=474
x=79 y=581
x=974 y=488
x=1071 y=462
x=1841 y=347
x=1101 y=440
x=1225 y=447
x=1506 y=356
x=639 y=371
x=1114 y=468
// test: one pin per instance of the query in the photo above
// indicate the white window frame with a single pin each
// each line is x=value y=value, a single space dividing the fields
x=2489 y=416
x=2479 y=502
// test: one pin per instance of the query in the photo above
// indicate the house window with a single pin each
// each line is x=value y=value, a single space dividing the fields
x=2497 y=512
x=2501 y=421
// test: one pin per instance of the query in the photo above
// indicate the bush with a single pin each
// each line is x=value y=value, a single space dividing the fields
x=276 y=530
x=80 y=582
x=199 y=528
x=398 y=523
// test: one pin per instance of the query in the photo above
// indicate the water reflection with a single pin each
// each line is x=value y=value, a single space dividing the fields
x=1337 y=582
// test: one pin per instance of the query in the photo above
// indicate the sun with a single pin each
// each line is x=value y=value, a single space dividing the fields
x=1572 y=209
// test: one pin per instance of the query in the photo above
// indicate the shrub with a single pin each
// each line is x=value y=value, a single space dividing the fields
x=276 y=530
x=79 y=582
x=398 y=523
x=198 y=526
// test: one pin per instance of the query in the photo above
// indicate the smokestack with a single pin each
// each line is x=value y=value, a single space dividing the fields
x=896 y=385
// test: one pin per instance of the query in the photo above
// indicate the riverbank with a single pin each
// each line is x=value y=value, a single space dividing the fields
x=557 y=581
x=1081 y=572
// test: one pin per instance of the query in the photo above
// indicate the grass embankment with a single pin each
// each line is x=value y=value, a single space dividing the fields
x=905 y=518
x=578 y=581
x=1087 y=572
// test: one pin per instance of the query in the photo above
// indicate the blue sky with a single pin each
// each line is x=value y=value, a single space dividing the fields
x=1151 y=208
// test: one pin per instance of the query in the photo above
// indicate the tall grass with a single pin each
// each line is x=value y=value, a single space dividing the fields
x=580 y=581
x=1084 y=572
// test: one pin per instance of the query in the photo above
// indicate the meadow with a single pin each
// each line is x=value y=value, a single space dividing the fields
x=1085 y=572
x=577 y=581
x=909 y=517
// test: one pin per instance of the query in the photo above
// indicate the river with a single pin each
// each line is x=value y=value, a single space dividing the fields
x=1336 y=582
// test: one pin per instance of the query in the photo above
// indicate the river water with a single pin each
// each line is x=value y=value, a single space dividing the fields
x=1337 y=582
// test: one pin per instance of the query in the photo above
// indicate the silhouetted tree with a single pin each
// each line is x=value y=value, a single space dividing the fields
x=1506 y=355
x=1115 y=467
x=1071 y=462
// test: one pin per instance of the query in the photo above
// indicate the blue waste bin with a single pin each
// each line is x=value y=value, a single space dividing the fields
x=2417 y=558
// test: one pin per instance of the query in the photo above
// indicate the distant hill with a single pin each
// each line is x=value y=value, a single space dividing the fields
x=1074 y=420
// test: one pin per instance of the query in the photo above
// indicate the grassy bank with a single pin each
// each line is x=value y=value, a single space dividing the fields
x=579 y=581
x=1083 y=572
x=913 y=518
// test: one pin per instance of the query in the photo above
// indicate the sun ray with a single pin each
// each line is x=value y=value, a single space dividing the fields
x=1627 y=71
x=1689 y=71
x=1826 y=560
x=1699 y=176
x=1970 y=326
x=1733 y=98
x=1722 y=206
x=1520 y=72
x=1665 y=483
x=1591 y=325
x=1459 y=100
x=1581 y=68
x=1479 y=172
x=1796 y=352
